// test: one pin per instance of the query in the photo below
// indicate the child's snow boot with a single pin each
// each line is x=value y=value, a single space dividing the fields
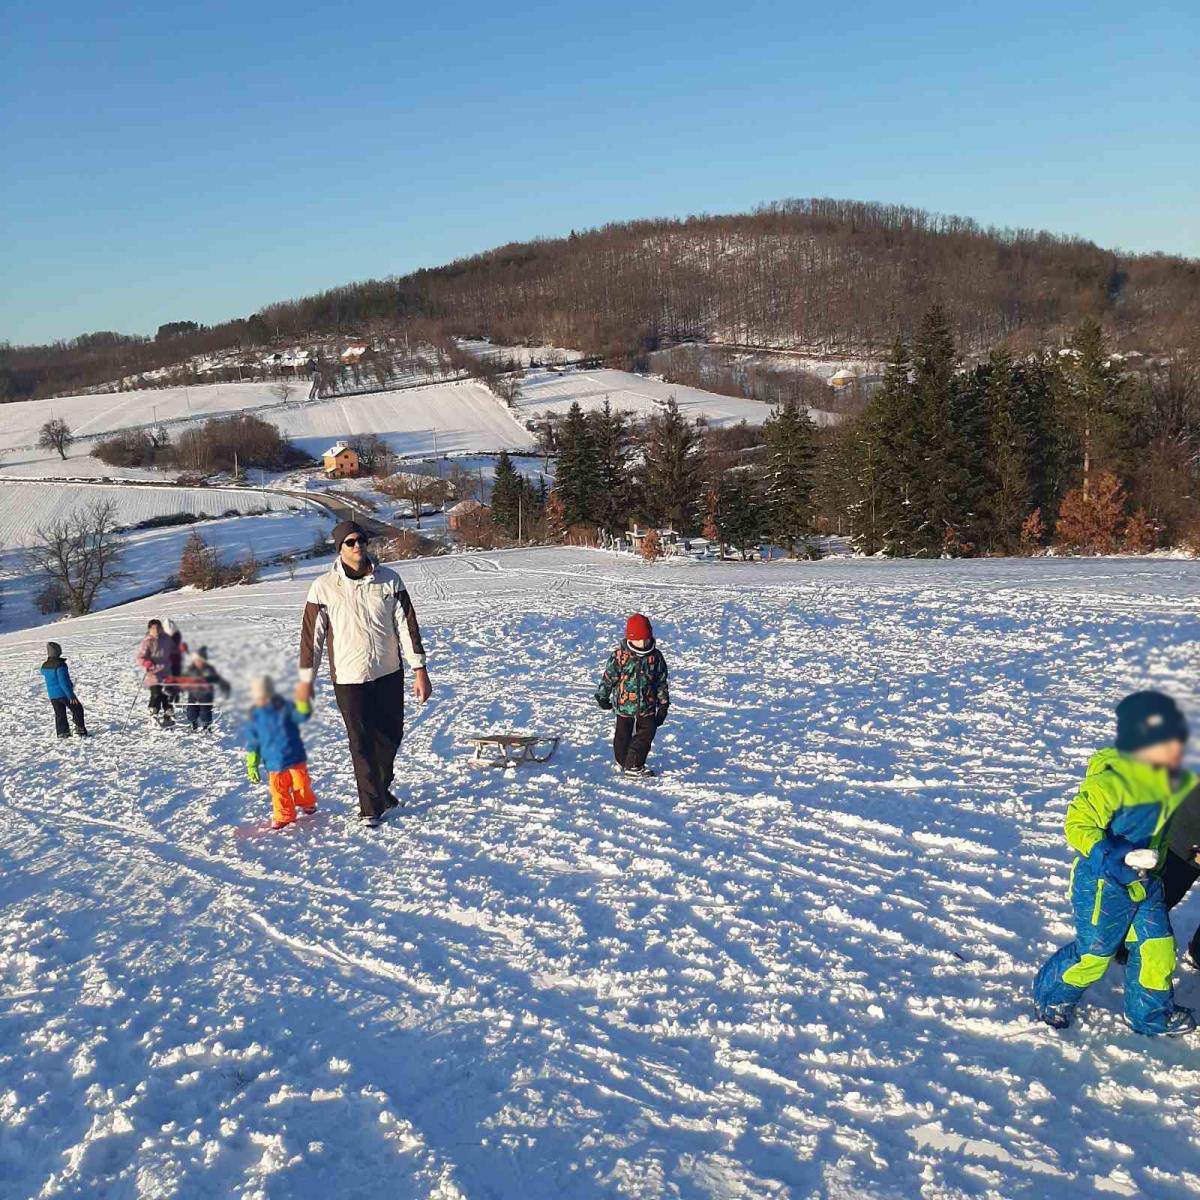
x=370 y=820
x=1057 y=1016
x=1180 y=1023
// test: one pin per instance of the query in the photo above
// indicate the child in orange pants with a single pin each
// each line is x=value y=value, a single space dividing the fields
x=273 y=741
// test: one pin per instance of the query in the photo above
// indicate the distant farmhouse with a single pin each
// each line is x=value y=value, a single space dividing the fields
x=340 y=462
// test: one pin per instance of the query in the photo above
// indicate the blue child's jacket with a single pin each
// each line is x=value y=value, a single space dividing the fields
x=58 y=681
x=274 y=731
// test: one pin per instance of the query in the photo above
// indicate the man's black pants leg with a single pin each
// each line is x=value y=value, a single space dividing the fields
x=374 y=716
x=60 y=718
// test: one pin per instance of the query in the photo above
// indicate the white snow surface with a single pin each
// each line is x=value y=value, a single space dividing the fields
x=553 y=393
x=26 y=507
x=796 y=964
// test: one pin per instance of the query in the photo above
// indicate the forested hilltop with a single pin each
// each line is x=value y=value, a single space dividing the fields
x=825 y=275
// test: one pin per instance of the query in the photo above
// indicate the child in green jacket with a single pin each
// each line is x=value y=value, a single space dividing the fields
x=1118 y=827
x=635 y=685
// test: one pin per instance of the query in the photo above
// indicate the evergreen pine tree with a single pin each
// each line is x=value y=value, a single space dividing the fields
x=672 y=474
x=941 y=481
x=507 y=495
x=610 y=436
x=1094 y=403
x=790 y=438
x=741 y=515
x=888 y=514
x=577 y=475
x=1009 y=496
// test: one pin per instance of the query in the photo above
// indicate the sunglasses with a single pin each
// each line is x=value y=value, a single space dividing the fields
x=355 y=541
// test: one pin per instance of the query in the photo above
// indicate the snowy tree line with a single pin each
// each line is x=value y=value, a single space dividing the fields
x=1013 y=455
x=1010 y=455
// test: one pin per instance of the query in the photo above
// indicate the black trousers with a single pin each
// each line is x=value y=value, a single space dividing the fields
x=61 y=708
x=1178 y=875
x=632 y=739
x=199 y=716
x=374 y=717
x=160 y=701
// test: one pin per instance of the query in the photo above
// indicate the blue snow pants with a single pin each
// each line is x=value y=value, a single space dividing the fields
x=1105 y=916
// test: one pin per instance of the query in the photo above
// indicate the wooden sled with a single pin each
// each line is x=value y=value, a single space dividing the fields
x=510 y=749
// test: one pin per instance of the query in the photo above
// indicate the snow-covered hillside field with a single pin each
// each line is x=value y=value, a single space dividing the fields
x=550 y=392
x=794 y=965
x=441 y=418
x=26 y=507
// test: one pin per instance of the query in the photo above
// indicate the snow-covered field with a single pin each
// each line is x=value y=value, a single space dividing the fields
x=96 y=414
x=152 y=557
x=794 y=965
x=441 y=418
x=28 y=507
x=550 y=392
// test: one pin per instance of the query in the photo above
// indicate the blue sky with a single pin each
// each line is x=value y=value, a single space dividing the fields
x=197 y=161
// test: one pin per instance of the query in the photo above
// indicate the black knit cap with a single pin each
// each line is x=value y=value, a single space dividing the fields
x=344 y=529
x=53 y=650
x=1147 y=718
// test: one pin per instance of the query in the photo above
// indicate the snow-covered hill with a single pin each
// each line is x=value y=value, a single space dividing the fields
x=795 y=965
x=26 y=507
x=550 y=392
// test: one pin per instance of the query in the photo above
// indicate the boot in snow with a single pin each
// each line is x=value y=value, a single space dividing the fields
x=641 y=772
x=370 y=821
x=1057 y=1016
x=1181 y=1022
x=394 y=801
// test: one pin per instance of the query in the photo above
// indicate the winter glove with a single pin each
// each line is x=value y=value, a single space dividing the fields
x=604 y=703
x=660 y=716
x=1108 y=858
x=253 y=758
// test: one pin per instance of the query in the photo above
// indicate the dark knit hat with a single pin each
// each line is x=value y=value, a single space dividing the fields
x=1147 y=718
x=53 y=650
x=344 y=529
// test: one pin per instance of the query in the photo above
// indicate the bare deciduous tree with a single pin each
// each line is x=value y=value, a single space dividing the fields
x=55 y=435
x=80 y=554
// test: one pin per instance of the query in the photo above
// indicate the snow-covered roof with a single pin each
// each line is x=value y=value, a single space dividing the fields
x=465 y=506
x=843 y=376
x=356 y=350
x=334 y=451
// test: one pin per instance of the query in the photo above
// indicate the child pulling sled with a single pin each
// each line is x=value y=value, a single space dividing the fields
x=634 y=684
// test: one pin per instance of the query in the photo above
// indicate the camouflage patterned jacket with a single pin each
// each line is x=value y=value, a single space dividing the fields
x=635 y=685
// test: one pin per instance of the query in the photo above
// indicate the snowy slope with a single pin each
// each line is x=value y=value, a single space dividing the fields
x=152 y=557
x=91 y=415
x=30 y=506
x=795 y=965
x=446 y=417
x=548 y=392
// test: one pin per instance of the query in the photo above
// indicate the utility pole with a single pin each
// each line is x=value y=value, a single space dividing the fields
x=520 y=515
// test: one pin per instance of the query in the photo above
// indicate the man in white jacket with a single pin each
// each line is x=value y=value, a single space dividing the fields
x=360 y=616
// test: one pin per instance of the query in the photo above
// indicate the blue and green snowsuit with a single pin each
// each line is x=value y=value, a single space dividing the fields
x=1123 y=805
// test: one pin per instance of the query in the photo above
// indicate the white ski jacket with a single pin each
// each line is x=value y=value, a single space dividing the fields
x=361 y=625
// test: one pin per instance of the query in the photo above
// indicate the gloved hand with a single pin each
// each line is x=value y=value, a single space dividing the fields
x=660 y=716
x=253 y=758
x=1108 y=857
x=604 y=704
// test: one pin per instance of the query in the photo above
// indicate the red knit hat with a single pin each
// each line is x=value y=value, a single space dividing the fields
x=638 y=629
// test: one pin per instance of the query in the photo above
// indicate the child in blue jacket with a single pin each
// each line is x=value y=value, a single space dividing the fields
x=273 y=741
x=61 y=691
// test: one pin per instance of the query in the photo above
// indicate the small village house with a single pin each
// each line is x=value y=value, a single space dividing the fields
x=467 y=515
x=340 y=462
